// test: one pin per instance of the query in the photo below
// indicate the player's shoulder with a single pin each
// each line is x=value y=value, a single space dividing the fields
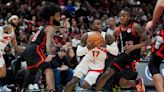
x=49 y=27
x=136 y=25
x=85 y=35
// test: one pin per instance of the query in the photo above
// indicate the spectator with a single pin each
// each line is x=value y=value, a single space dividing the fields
x=75 y=41
x=63 y=73
x=8 y=57
x=70 y=8
x=111 y=26
x=71 y=58
x=73 y=29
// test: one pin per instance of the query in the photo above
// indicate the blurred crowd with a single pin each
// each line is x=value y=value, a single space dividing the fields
x=76 y=18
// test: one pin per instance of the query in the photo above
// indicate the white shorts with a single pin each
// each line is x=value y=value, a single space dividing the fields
x=2 y=61
x=90 y=77
x=83 y=69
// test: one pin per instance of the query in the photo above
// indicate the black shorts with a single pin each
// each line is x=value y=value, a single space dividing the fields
x=128 y=74
x=120 y=62
x=154 y=64
x=34 y=55
x=108 y=61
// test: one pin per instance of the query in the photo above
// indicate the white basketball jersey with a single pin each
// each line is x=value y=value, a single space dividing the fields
x=103 y=34
x=5 y=38
x=97 y=58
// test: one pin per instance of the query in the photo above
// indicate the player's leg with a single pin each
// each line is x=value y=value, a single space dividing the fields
x=36 y=60
x=2 y=67
x=49 y=75
x=28 y=78
x=128 y=78
x=117 y=65
x=154 y=65
x=80 y=70
x=69 y=86
x=90 y=79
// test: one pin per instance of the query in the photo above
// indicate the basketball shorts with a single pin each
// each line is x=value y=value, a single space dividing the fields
x=83 y=69
x=154 y=64
x=121 y=61
x=34 y=56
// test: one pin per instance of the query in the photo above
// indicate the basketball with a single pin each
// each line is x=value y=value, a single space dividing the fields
x=95 y=39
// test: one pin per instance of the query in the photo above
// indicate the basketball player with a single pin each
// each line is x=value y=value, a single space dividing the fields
x=92 y=46
x=157 y=54
x=14 y=21
x=34 y=55
x=130 y=38
x=157 y=13
x=7 y=35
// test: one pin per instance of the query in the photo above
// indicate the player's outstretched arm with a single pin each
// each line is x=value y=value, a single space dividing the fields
x=159 y=7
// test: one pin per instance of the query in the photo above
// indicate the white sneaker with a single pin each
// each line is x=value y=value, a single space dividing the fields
x=5 y=88
x=30 y=87
x=36 y=87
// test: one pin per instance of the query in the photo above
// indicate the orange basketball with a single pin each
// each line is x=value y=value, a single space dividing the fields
x=95 y=39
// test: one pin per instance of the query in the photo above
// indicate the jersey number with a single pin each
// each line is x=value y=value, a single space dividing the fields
x=95 y=53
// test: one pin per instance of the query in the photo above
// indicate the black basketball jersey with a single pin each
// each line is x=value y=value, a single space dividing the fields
x=158 y=46
x=128 y=37
x=40 y=37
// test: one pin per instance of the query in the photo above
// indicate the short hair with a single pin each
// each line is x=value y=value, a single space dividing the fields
x=127 y=10
x=92 y=22
x=47 y=10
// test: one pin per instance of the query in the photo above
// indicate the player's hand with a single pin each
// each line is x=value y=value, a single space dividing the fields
x=129 y=48
x=49 y=58
x=149 y=25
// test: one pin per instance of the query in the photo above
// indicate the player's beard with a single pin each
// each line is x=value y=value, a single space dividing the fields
x=56 y=23
x=14 y=25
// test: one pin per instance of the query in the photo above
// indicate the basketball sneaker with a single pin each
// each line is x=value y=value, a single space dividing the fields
x=140 y=86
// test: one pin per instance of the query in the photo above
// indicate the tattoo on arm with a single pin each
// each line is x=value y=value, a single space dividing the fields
x=49 y=37
x=14 y=43
x=141 y=33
